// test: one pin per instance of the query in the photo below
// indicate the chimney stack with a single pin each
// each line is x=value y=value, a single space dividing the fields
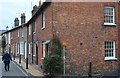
x=35 y=8
x=16 y=22
x=23 y=18
x=39 y=3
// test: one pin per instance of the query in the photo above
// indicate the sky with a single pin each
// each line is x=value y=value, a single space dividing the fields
x=10 y=9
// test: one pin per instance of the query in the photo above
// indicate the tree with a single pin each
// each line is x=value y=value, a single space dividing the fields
x=3 y=43
x=53 y=63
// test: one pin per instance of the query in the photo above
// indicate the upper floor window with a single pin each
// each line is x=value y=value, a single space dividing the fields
x=34 y=27
x=11 y=35
x=43 y=19
x=109 y=16
x=110 y=50
x=18 y=32
x=29 y=29
x=22 y=32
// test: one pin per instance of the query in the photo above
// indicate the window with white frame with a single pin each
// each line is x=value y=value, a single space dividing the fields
x=9 y=38
x=43 y=19
x=29 y=48
x=22 y=32
x=34 y=27
x=11 y=35
x=29 y=29
x=109 y=50
x=34 y=53
x=18 y=32
x=18 y=48
x=45 y=48
x=25 y=49
x=109 y=15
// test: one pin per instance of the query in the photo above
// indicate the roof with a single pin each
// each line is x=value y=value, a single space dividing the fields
x=1 y=31
x=22 y=25
x=35 y=16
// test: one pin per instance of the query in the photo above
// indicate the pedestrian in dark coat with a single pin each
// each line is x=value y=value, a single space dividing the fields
x=6 y=59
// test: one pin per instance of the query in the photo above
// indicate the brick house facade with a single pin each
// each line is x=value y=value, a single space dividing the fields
x=87 y=35
x=18 y=35
x=16 y=39
x=81 y=27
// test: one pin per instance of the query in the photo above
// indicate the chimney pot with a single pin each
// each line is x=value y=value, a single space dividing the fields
x=16 y=22
x=23 y=18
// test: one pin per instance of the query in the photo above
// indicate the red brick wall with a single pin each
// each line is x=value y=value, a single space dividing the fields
x=14 y=40
x=43 y=34
x=80 y=26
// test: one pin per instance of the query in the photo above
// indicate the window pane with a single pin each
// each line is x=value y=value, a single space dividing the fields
x=108 y=15
x=109 y=49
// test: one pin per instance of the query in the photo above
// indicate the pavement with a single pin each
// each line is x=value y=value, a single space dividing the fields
x=32 y=71
x=114 y=74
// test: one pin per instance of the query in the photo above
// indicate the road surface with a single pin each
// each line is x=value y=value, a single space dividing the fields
x=15 y=70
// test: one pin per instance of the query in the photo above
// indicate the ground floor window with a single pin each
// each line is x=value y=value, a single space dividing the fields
x=109 y=50
x=45 y=48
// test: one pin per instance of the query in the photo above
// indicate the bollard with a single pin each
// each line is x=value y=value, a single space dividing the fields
x=26 y=63
x=90 y=70
x=19 y=59
x=14 y=56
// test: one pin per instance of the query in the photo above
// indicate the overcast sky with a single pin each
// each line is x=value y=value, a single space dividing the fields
x=10 y=9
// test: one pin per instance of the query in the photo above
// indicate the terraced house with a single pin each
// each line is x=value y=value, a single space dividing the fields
x=89 y=31
x=16 y=38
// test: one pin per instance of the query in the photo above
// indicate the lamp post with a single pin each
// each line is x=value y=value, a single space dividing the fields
x=64 y=48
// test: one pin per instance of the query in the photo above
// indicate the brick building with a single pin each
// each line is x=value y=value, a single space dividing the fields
x=90 y=32
x=16 y=38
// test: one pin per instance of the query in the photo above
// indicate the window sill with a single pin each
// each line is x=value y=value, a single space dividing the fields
x=110 y=59
x=42 y=58
x=108 y=24
x=43 y=28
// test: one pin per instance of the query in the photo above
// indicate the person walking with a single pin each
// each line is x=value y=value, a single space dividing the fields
x=6 y=59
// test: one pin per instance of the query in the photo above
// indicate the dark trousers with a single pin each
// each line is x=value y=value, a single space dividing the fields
x=7 y=66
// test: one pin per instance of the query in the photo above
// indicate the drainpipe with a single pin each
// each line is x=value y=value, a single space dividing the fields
x=90 y=69
x=32 y=43
x=27 y=50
